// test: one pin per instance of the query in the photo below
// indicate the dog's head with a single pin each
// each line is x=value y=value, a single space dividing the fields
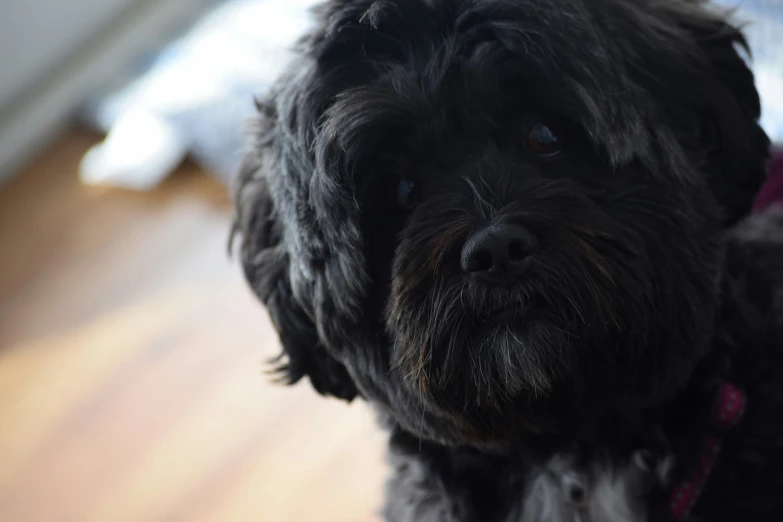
x=493 y=217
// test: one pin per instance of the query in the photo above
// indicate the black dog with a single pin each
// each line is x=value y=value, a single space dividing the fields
x=518 y=228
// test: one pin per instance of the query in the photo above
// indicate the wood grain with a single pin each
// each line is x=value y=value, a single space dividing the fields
x=132 y=382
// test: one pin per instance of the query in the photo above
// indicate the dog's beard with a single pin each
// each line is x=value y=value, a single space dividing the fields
x=469 y=345
x=464 y=345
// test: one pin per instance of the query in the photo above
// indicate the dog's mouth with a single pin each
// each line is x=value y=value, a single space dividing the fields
x=500 y=315
x=515 y=312
x=510 y=315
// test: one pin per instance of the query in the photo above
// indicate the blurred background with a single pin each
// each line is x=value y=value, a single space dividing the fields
x=132 y=354
x=132 y=382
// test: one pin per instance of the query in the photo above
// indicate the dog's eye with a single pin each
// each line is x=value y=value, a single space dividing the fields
x=405 y=193
x=545 y=139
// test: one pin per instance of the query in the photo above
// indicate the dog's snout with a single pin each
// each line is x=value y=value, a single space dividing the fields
x=498 y=253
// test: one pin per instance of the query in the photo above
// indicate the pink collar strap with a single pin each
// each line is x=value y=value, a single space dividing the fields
x=730 y=407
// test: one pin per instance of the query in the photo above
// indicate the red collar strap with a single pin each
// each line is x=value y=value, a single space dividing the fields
x=730 y=407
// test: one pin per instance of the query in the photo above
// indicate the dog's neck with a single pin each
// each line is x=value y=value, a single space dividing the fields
x=645 y=454
x=679 y=425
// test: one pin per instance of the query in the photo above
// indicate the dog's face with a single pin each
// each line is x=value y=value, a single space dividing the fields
x=496 y=219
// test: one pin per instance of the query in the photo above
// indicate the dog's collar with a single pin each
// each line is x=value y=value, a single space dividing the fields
x=729 y=409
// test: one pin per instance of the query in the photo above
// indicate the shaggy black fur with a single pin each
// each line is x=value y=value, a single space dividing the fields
x=406 y=125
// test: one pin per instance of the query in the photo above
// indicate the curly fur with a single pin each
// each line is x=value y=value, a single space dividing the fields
x=647 y=278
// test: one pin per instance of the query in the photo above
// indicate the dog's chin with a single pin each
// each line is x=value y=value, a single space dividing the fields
x=493 y=389
x=489 y=368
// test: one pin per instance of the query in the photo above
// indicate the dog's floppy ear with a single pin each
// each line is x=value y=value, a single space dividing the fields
x=737 y=148
x=265 y=264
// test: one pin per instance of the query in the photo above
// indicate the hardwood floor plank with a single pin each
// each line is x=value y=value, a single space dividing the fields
x=131 y=367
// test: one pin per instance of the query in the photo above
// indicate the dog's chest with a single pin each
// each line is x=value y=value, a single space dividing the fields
x=602 y=491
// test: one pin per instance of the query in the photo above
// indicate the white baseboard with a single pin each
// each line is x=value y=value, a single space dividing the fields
x=31 y=121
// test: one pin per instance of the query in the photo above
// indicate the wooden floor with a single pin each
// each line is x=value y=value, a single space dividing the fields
x=131 y=367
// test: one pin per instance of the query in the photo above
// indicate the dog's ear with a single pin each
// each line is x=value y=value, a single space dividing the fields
x=733 y=146
x=265 y=264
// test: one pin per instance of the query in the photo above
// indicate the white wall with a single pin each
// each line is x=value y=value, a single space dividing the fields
x=54 y=52
x=37 y=35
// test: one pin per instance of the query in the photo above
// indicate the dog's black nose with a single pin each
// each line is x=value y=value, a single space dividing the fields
x=498 y=253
